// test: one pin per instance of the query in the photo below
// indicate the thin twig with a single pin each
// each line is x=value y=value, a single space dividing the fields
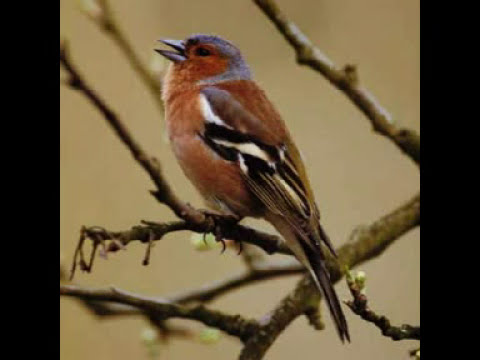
x=234 y=325
x=103 y=309
x=105 y=18
x=151 y=232
x=163 y=193
x=359 y=305
x=261 y=271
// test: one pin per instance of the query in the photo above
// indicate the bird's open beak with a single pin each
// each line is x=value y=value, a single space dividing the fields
x=177 y=56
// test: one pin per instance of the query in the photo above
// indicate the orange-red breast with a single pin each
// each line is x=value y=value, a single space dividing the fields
x=234 y=147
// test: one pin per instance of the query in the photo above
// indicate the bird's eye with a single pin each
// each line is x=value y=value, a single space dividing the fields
x=202 y=52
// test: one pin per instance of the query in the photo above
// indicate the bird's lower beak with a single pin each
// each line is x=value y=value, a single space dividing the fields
x=177 y=56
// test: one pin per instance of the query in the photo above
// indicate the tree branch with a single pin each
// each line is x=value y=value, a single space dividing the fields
x=151 y=165
x=104 y=17
x=359 y=305
x=234 y=325
x=377 y=237
x=103 y=309
x=151 y=232
x=259 y=272
x=345 y=80
x=364 y=245
x=369 y=242
x=272 y=325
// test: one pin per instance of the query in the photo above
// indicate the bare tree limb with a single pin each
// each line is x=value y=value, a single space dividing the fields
x=366 y=244
x=103 y=309
x=151 y=232
x=234 y=325
x=345 y=80
x=375 y=239
x=370 y=241
x=163 y=193
x=273 y=324
x=259 y=272
x=268 y=242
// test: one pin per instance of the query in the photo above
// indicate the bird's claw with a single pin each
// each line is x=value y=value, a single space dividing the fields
x=219 y=222
x=240 y=247
x=219 y=238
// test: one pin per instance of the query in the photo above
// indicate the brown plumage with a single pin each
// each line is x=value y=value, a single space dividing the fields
x=235 y=148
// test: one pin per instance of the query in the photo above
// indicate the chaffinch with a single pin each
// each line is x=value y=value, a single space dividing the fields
x=236 y=150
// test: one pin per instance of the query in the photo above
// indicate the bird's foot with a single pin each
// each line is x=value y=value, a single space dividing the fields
x=220 y=222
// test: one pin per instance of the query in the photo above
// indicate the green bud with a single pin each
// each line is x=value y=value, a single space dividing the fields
x=151 y=342
x=360 y=279
x=202 y=243
x=209 y=336
x=149 y=336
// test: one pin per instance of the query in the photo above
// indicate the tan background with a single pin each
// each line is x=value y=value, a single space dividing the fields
x=357 y=175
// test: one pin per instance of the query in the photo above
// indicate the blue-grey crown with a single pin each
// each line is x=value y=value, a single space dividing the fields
x=237 y=67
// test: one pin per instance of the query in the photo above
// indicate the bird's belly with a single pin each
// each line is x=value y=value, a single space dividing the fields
x=219 y=181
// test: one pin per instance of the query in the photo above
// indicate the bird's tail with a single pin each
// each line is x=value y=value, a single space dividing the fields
x=307 y=249
x=321 y=277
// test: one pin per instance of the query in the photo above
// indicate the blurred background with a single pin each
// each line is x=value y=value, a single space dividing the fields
x=357 y=175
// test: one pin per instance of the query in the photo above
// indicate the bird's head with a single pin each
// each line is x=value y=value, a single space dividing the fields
x=204 y=59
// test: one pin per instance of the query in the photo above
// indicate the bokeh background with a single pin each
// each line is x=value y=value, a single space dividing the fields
x=357 y=175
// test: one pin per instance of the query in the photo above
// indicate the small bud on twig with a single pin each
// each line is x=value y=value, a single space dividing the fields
x=209 y=336
x=204 y=242
x=150 y=339
x=357 y=280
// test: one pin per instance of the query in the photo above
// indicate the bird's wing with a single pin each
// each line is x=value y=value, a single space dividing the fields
x=258 y=142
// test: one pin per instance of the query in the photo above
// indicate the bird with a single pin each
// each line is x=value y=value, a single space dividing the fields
x=234 y=147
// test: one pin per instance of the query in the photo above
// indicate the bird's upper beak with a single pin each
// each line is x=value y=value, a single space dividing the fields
x=177 y=56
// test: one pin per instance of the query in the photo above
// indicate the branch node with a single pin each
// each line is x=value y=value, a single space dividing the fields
x=351 y=74
x=146 y=259
x=314 y=316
